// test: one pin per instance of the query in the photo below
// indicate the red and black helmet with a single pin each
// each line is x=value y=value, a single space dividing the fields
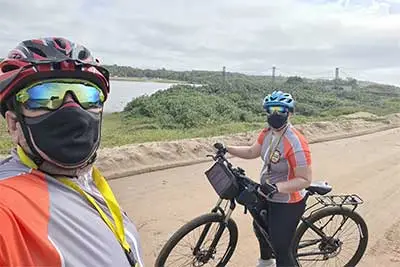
x=48 y=58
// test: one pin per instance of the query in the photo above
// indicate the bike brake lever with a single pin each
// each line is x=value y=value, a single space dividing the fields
x=211 y=156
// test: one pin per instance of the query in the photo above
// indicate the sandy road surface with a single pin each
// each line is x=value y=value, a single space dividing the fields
x=160 y=202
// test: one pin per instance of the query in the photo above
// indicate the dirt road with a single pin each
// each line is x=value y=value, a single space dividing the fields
x=160 y=202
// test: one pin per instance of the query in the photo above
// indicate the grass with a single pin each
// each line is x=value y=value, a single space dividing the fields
x=117 y=131
x=5 y=139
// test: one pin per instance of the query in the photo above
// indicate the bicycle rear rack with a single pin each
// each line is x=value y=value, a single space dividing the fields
x=336 y=201
x=339 y=200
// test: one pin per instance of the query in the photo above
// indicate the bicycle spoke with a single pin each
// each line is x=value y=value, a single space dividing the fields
x=341 y=231
x=173 y=262
x=182 y=254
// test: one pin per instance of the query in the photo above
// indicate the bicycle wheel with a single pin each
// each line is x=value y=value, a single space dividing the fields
x=326 y=241
x=190 y=245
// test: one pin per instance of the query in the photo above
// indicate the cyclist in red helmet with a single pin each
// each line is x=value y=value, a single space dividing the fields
x=56 y=209
x=285 y=174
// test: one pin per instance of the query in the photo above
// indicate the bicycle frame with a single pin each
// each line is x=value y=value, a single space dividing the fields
x=253 y=212
x=325 y=201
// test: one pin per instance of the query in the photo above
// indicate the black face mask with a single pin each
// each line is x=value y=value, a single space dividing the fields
x=68 y=137
x=277 y=121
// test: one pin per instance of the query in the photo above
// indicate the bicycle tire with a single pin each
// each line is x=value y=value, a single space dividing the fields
x=192 y=225
x=336 y=211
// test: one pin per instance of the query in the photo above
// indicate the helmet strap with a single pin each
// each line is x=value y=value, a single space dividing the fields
x=37 y=159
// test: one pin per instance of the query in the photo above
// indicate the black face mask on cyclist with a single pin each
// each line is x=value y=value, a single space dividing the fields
x=278 y=121
x=67 y=137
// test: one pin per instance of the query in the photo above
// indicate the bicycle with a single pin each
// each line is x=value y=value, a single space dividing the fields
x=232 y=185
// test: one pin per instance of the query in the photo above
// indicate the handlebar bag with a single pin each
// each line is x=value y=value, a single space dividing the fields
x=223 y=180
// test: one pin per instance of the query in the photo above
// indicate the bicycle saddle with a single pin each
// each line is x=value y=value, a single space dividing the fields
x=319 y=187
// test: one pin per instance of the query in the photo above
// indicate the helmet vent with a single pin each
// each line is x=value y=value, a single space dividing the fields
x=37 y=51
x=8 y=68
x=60 y=43
x=83 y=54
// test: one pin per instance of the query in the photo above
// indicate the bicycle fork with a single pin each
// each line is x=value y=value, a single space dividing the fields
x=222 y=225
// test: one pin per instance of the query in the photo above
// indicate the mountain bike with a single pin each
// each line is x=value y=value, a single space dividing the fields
x=320 y=238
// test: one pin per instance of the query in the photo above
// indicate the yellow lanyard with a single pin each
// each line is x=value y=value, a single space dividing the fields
x=272 y=150
x=106 y=192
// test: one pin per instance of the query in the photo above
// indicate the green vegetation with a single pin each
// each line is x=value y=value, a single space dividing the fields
x=119 y=130
x=228 y=103
x=5 y=139
x=231 y=103
x=238 y=98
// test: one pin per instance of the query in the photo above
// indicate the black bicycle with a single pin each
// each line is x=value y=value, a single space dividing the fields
x=321 y=239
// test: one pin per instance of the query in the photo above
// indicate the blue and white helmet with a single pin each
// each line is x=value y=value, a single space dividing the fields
x=279 y=98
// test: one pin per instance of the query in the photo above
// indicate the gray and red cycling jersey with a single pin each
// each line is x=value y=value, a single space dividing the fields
x=292 y=151
x=45 y=223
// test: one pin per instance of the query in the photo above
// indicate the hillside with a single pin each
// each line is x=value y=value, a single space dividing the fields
x=235 y=97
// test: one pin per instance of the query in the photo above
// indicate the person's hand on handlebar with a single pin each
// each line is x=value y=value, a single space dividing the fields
x=267 y=190
x=221 y=148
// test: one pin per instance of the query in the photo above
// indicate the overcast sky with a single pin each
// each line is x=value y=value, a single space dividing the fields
x=305 y=37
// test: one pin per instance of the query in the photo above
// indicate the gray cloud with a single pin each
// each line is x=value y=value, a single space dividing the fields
x=300 y=37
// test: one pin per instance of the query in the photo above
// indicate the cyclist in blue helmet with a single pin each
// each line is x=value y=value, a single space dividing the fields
x=279 y=102
x=285 y=174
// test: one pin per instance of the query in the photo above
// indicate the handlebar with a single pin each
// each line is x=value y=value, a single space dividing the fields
x=239 y=173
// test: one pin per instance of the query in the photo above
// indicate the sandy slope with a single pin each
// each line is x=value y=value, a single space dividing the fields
x=160 y=202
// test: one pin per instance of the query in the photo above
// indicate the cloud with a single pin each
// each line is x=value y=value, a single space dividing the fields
x=303 y=37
